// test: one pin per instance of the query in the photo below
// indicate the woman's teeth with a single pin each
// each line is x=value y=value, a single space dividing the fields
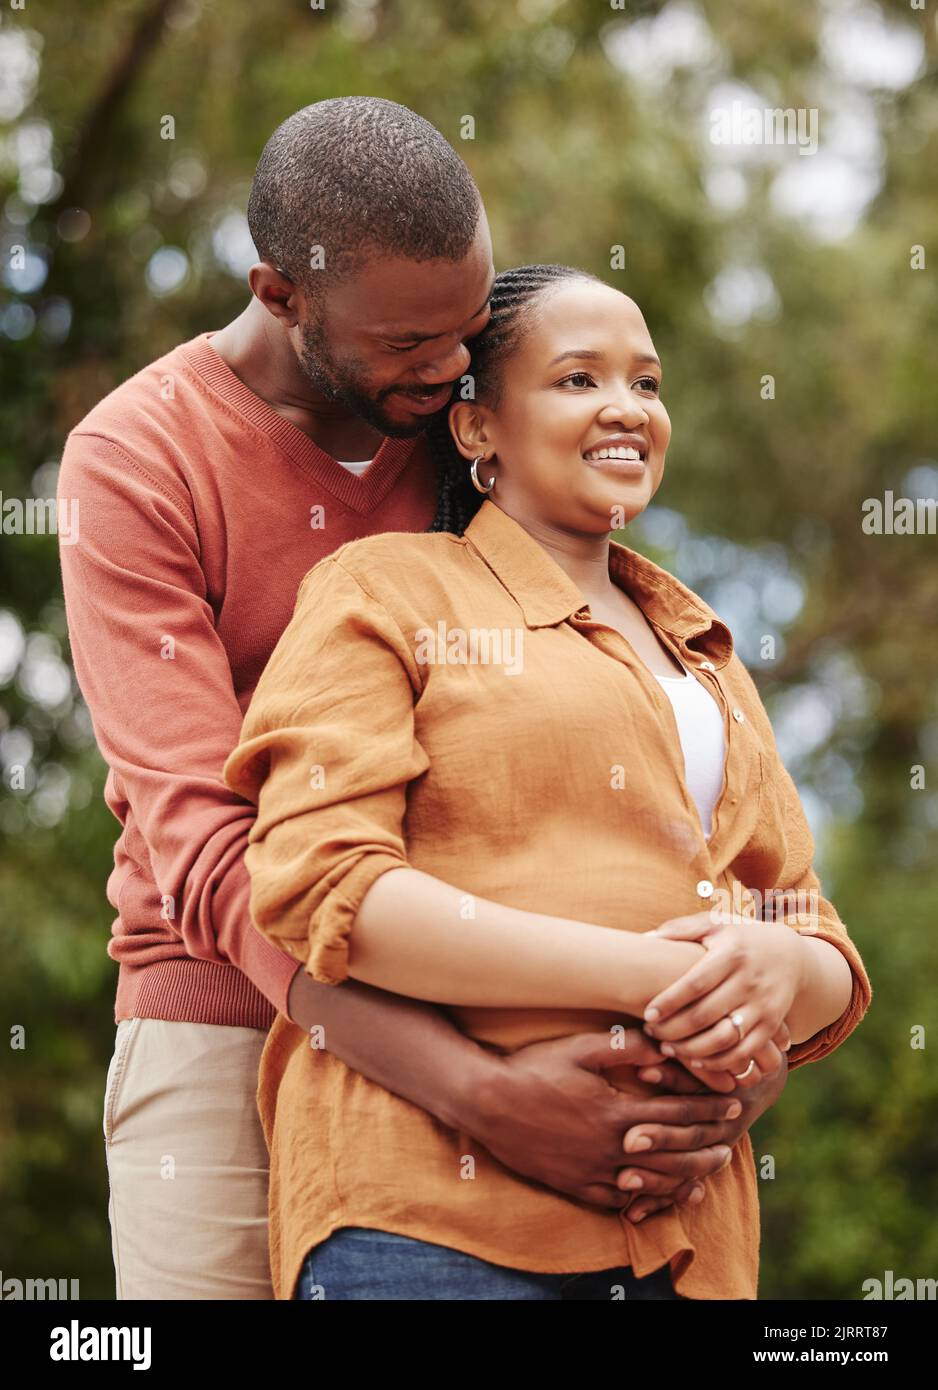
x=618 y=453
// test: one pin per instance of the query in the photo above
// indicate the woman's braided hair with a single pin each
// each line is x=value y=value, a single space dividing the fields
x=513 y=296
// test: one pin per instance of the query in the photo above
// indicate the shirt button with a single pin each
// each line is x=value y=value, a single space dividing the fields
x=738 y=716
x=705 y=888
x=707 y=666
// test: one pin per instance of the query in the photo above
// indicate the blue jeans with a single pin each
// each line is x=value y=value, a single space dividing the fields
x=363 y=1264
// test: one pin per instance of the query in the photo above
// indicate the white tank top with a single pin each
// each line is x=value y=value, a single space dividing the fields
x=358 y=467
x=703 y=741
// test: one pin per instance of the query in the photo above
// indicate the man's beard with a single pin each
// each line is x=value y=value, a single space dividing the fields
x=347 y=385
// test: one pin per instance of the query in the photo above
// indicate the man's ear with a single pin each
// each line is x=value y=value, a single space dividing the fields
x=469 y=426
x=278 y=294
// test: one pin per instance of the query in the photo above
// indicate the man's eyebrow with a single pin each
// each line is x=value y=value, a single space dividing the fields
x=594 y=356
x=425 y=337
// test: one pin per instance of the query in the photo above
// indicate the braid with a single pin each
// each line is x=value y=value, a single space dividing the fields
x=513 y=297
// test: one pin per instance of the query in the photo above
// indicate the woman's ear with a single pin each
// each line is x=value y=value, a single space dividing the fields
x=467 y=424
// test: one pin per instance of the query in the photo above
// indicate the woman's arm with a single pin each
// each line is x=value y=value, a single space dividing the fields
x=411 y=936
x=824 y=990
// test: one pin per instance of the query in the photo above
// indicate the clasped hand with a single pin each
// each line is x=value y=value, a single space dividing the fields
x=752 y=968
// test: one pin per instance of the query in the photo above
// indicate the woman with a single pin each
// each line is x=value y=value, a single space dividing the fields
x=551 y=743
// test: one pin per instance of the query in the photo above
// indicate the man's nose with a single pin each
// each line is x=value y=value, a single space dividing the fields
x=446 y=367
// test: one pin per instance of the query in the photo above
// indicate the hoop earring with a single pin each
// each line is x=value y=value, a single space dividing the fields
x=474 y=475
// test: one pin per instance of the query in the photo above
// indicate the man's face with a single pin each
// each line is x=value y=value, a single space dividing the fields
x=390 y=342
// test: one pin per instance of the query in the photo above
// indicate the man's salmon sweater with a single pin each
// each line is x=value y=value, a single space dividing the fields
x=195 y=510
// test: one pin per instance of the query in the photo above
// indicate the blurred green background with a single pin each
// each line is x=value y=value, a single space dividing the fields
x=592 y=131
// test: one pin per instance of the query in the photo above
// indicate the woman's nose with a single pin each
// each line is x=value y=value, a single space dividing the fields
x=626 y=409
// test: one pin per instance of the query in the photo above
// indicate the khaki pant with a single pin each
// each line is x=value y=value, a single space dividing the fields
x=187 y=1162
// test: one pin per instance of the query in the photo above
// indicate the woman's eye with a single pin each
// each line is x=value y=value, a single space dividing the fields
x=584 y=379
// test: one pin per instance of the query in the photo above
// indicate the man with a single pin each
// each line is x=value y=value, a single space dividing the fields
x=209 y=484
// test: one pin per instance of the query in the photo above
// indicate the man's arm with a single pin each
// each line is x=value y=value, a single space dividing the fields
x=408 y=1047
x=546 y=1112
x=157 y=682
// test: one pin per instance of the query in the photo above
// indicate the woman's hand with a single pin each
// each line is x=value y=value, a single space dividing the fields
x=752 y=967
x=767 y=1062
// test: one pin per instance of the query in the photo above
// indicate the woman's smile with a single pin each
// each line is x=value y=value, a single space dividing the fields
x=622 y=454
x=622 y=467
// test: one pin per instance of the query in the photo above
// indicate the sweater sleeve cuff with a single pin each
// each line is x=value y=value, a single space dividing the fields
x=268 y=968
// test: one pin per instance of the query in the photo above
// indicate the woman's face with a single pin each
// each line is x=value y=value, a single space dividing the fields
x=585 y=378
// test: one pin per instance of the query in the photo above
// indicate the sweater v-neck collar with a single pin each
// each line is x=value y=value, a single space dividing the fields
x=361 y=494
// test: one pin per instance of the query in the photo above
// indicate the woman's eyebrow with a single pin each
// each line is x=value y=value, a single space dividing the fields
x=594 y=356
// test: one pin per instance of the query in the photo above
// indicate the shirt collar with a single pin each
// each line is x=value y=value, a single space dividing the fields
x=547 y=595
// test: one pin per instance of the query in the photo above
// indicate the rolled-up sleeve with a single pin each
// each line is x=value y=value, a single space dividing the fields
x=327 y=751
x=796 y=897
x=800 y=903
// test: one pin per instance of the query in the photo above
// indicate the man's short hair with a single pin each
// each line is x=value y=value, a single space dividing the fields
x=359 y=176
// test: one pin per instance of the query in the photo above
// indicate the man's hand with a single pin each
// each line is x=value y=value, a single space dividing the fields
x=678 y=1142
x=547 y=1112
